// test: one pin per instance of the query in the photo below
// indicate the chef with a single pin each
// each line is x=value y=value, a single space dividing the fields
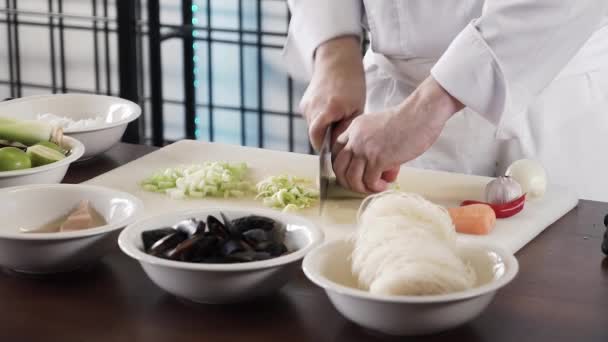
x=457 y=85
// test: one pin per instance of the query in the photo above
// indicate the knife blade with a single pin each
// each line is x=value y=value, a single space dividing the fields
x=325 y=169
x=328 y=186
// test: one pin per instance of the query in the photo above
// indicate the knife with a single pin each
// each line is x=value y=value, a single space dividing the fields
x=328 y=186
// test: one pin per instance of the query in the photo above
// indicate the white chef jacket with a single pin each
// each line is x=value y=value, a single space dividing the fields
x=533 y=75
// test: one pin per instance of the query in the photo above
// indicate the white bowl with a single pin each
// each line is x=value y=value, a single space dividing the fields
x=97 y=139
x=46 y=174
x=329 y=267
x=222 y=283
x=35 y=205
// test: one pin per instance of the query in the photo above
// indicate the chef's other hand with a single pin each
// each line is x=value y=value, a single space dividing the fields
x=378 y=143
x=336 y=92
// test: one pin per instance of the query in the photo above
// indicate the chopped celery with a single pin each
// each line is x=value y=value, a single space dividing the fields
x=286 y=192
x=210 y=179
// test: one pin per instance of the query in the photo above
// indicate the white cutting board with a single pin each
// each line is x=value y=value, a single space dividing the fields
x=338 y=220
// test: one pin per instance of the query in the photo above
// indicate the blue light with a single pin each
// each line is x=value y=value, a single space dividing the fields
x=197 y=133
x=195 y=83
x=194 y=8
x=194 y=21
x=195 y=59
x=195 y=70
x=194 y=46
x=197 y=121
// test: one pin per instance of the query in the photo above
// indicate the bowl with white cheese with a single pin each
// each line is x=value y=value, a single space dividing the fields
x=97 y=121
x=51 y=228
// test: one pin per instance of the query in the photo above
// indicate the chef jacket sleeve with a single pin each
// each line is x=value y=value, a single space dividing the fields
x=501 y=60
x=314 y=22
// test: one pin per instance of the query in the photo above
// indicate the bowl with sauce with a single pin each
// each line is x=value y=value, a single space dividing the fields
x=55 y=228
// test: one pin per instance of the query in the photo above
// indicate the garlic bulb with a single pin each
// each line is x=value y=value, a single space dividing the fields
x=531 y=175
x=502 y=190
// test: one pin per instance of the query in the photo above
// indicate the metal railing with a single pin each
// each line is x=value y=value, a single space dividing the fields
x=141 y=37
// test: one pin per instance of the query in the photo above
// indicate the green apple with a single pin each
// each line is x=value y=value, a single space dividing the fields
x=12 y=158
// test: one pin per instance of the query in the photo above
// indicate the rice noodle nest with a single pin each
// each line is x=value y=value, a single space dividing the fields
x=406 y=245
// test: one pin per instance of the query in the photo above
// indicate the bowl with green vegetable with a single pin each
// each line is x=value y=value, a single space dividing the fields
x=35 y=157
x=97 y=121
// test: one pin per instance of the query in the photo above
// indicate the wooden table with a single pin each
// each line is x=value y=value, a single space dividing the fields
x=560 y=294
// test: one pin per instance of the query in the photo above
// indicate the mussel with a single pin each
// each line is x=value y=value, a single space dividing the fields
x=167 y=243
x=250 y=222
x=217 y=228
x=245 y=239
x=195 y=249
x=255 y=236
x=149 y=237
x=190 y=226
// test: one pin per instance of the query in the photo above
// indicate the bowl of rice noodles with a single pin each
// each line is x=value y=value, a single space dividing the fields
x=404 y=272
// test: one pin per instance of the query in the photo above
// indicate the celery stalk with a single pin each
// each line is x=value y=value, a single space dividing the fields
x=7 y=120
x=29 y=132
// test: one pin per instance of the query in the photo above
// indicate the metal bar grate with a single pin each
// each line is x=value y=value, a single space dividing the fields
x=126 y=52
x=64 y=85
x=52 y=48
x=188 y=73
x=95 y=47
x=209 y=75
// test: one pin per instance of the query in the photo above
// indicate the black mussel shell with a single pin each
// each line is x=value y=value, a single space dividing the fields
x=234 y=246
x=240 y=257
x=200 y=229
x=149 y=237
x=215 y=260
x=261 y=256
x=248 y=256
x=190 y=226
x=216 y=227
x=246 y=239
x=273 y=248
x=278 y=235
x=179 y=250
x=606 y=221
x=246 y=223
x=196 y=249
x=277 y=249
x=167 y=243
x=263 y=246
x=234 y=232
x=255 y=236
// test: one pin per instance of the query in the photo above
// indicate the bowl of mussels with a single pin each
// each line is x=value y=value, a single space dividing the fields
x=220 y=255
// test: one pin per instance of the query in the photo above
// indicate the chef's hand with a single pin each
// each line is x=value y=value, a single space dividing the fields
x=378 y=143
x=336 y=92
